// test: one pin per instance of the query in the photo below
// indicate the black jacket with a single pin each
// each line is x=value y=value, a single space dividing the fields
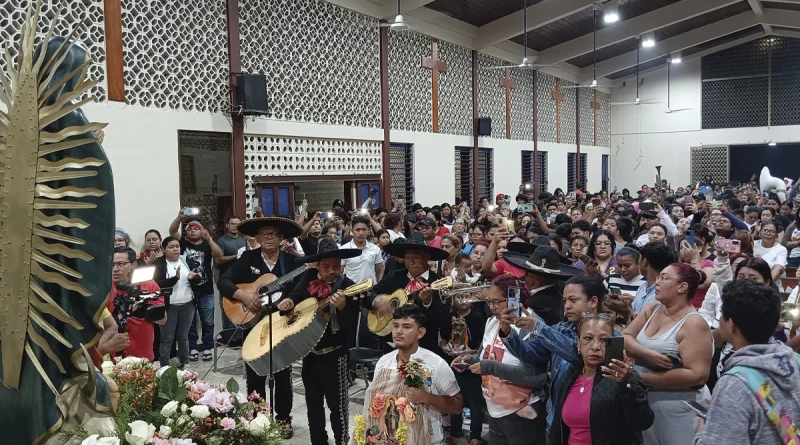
x=548 y=305
x=617 y=412
x=434 y=314
x=345 y=316
x=250 y=266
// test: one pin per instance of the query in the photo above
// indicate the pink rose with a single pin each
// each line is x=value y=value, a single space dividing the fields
x=227 y=423
x=245 y=423
x=202 y=386
x=159 y=441
x=401 y=403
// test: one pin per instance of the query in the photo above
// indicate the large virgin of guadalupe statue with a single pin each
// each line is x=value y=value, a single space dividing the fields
x=57 y=222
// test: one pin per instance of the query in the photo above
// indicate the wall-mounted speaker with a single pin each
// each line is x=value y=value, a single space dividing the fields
x=484 y=126
x=251 y=95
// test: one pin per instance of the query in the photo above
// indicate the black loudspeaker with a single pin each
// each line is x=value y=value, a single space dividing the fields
x=484 y=126
x=252 y=95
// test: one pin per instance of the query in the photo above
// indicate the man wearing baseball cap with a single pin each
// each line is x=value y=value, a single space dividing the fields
x=428 y=228
x=199 y=247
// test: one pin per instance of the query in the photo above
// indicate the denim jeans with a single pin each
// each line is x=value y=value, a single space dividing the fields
x=205 y=307
x=179 y=319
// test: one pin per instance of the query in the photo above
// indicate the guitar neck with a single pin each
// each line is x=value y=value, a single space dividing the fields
x=275 y=285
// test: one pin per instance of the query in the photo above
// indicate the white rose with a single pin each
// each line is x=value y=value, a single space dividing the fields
x=184 y=408
x=170 y=409
x=259 y=424
x=182 y=420
x=141 y=433
x=165 y=431
x=108 y=368
x=200 y=411
x=108 y=441
x=91 y=440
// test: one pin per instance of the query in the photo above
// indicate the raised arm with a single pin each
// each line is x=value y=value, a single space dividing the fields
x=175 y=226
x=525 y=375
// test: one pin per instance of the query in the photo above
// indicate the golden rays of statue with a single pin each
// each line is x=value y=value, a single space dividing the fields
x=27 y=242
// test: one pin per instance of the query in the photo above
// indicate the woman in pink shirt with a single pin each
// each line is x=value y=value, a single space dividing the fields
x=600 y=404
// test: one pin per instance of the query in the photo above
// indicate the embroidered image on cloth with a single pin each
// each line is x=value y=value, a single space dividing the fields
x=388 y=418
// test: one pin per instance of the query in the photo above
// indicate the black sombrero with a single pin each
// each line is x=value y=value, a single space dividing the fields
x=416 y=242
x=328 y=249
x=287 y=227
x=544 y=261
x=526 y=249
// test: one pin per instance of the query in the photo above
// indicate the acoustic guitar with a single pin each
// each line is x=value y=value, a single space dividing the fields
x=381 y=324
x=264 y=286
x=294 y=335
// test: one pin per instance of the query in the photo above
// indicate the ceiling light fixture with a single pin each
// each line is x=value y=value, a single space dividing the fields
x=611 y=11
x=675 y=57
x=772 y=143
x=648 y=40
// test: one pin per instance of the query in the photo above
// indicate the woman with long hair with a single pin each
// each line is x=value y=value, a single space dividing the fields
x=597 y=403
x=699 y=256
x=601 y=250
x=447 y=215
x=611 y=226
x=452 y=245
x=172 y=272
x=459 y=229
x=791 y=240
x=672 y=346
x=509 y=424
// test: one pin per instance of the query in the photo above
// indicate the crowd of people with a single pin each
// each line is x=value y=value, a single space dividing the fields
x=689 y=281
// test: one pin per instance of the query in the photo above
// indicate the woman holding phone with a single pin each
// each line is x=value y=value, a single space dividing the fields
x=695 y=251
x=603 y=400
x=510 y=423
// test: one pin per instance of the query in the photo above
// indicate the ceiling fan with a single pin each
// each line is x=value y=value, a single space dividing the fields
x=637 y=101
x=670 y=109
x=399 y=23
x=594 y=83
x=527 y=63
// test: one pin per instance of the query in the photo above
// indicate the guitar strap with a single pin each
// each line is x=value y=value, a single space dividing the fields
x=334 y=318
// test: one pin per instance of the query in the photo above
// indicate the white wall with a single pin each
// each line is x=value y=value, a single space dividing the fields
x=645 y=136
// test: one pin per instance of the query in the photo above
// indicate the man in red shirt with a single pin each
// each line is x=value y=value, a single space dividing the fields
x=140 y=331
x=428 y=228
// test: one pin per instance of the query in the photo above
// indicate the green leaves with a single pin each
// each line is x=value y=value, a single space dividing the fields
x=232 y=386
x=170 y=386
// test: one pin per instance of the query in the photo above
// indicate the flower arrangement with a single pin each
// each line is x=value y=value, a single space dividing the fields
x=168 y=406
x=413 y=373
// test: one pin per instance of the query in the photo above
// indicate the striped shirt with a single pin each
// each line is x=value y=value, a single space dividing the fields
x=629 y=287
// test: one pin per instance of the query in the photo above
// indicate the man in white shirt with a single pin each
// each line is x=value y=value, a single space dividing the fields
x=370 y=263
x=439 y=394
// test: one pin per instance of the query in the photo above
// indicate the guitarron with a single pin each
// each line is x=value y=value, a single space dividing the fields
x=294 y=335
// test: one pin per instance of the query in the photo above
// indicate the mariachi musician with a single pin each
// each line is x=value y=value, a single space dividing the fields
x=415 y=279
x=269 y=259
x=325 y=368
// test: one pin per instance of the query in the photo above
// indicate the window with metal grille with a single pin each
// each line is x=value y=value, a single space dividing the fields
x=541 y=165
x=604 y=173
x=205 y=176
x=584 y=164
x=486 y=173
x=401 y=166
x=527 y=167
x=464 y=174
x=571 y=171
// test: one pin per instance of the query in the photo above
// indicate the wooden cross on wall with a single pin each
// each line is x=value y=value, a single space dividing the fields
x=595 y=107
x=436 y=66
x=509 y=84
x=559 y=97
x=115 y=75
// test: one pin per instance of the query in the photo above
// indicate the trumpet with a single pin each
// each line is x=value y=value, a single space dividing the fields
x=463 y=293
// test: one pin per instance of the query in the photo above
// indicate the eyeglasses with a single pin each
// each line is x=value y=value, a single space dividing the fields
x=270 y=234
x=768 y=231
x=665 y=277
x=121 y=264
x=496 y=303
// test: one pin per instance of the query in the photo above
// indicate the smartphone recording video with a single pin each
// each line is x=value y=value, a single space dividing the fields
x=614 y=349
x=514 y=299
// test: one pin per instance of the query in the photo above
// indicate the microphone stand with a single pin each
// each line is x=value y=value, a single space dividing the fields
x=271 y=378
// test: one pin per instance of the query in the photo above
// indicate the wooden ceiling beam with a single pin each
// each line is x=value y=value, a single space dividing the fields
x=678 y=43
x=610 y=35
x=539 y=15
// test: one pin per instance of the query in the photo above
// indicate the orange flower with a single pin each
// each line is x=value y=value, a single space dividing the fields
x=377 y=406
x=409 y=414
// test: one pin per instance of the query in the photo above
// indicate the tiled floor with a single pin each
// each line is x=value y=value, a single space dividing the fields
x=229 y=365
